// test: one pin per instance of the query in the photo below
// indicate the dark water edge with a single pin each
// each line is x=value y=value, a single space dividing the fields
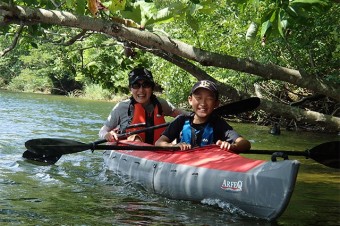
x=78 y=190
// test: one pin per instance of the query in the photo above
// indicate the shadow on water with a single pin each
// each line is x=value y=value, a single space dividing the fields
x=77 y=190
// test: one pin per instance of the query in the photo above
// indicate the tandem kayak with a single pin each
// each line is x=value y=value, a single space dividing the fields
x=260 y=188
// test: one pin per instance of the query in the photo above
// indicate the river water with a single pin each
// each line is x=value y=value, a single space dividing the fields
x=78 y=190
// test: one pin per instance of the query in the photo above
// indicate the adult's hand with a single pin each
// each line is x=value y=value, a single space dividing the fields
x=111 y=136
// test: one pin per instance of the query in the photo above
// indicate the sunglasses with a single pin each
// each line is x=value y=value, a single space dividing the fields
x=144 y=85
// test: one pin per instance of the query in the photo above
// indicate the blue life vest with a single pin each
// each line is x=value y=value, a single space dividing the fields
x=195 y=137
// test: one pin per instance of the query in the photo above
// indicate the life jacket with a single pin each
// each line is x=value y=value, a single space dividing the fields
x=195 y=137
x=145 y=119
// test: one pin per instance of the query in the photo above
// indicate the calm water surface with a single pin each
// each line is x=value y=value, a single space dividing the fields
x=77 y=190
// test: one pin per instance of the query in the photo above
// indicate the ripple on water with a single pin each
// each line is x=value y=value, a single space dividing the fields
x=9 y=163
x=45 y=178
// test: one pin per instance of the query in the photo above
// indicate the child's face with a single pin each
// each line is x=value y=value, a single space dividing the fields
x=203 y=102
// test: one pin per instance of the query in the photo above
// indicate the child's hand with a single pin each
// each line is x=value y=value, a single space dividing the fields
x=224 y=145
x=183 y=146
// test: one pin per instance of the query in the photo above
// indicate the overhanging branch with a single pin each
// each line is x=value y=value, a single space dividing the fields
x=15 y=41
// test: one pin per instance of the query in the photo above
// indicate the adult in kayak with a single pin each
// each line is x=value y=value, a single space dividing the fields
x=142 y=109
x=203 y=127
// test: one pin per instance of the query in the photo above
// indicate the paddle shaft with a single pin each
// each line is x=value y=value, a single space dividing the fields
x=124 y=135
x=327 y=154
x=143 y=130
x=117 y=147
x=238 y=107
x=270 y=152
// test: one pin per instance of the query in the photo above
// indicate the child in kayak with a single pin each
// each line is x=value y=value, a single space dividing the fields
x=203 y=127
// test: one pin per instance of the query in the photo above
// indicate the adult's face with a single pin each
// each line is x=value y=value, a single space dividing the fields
x=141 y=91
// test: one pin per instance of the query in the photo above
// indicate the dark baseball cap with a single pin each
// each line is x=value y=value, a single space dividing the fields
x=140 y=74
x=205 y=84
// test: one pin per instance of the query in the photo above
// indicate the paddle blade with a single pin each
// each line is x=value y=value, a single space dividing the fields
x=45 y=160
x=238 y=107
x=55 y=147
x=327 y=154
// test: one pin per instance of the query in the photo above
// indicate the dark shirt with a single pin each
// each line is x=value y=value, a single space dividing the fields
x=221 y=129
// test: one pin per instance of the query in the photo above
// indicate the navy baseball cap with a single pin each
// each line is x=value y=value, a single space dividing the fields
x=140 y=74
x=205 y=84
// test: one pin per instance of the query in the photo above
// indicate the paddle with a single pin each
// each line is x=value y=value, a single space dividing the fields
x=50 y=150
x=238 y=107
x=327 y=154
x=50 y=158
x=50 y=154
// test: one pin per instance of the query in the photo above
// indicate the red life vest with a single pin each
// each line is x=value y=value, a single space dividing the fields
x=154 y=118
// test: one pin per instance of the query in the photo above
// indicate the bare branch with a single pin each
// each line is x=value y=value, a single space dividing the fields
x=15 y=41
x=75 y=38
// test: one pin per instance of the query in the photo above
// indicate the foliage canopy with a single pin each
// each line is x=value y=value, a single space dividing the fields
x=301 y=34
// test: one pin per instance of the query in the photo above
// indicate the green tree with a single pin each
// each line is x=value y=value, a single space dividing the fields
x=213 y=49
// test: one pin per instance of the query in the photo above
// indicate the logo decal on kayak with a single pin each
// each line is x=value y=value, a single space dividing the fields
x=232 y=185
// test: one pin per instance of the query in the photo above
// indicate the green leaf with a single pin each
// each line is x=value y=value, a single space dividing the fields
x=146 y=11
x=265 y=27
x=162 y=16
x=80 y=7
x=304 y=6
x=292 y=12
x=92 y=64
x=194 y=8
x=273 y=17
x=319 y=2
x=132 y=13
x=70 y=3
x=34 y=45
x=117 y=5
x=175 y=10
x=35 y=30
x=192 y=22
x=279 y=27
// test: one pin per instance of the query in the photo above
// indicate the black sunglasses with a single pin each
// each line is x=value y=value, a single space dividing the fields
x=144 y=85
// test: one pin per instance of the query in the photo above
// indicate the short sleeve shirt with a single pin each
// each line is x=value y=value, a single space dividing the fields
x=221 y=129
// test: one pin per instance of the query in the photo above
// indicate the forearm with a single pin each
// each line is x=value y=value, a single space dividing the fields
x=103 y=131
x=163 y=141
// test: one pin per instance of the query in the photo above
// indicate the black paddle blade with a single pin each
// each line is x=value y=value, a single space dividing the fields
x=55 y=147
x=238 y=107
x=45 y=160
x=327 y=154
